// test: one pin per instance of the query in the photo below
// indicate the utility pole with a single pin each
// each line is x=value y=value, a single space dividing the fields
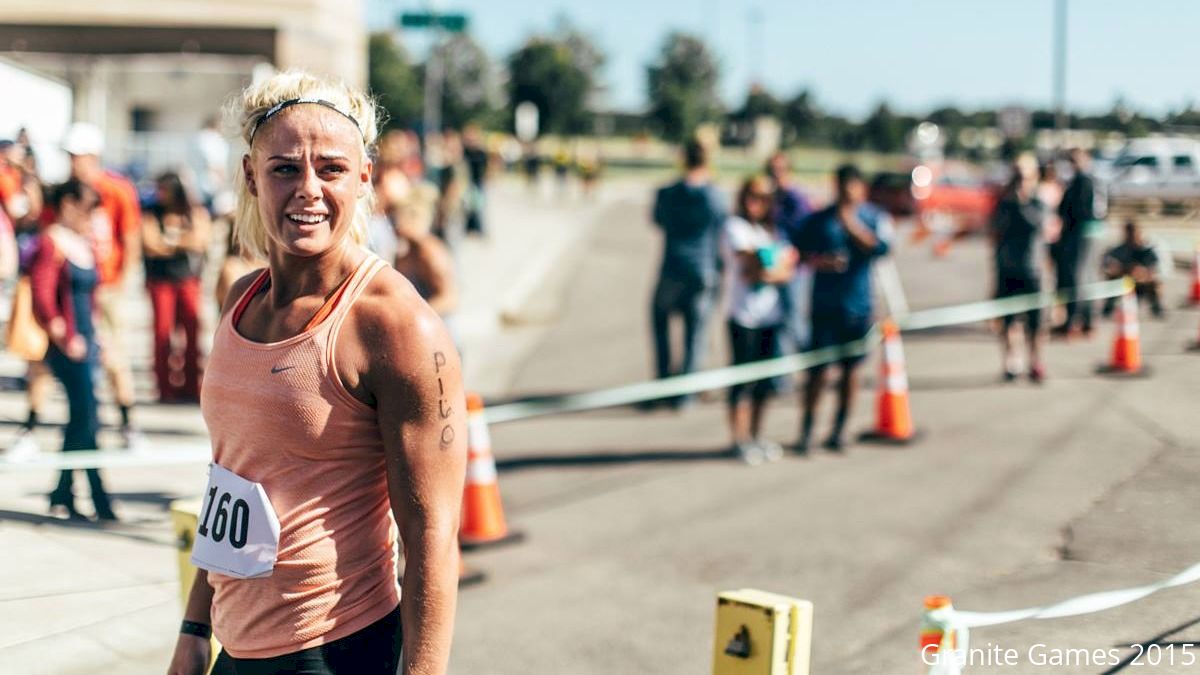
x=439 y=23
x=432 y=114
x=1060 y=64
x=755 y=46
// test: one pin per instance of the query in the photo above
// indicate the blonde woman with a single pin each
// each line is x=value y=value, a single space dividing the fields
x=422 y=258
x=334 y=399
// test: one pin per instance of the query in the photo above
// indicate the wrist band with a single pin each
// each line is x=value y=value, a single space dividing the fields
x=198 y=629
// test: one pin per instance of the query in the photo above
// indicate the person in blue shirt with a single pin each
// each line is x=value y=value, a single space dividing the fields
x=690 y=213
x=791 y=207
x=791 y=204
x=838 y=243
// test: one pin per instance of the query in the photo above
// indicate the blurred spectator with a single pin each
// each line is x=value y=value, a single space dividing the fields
x=791 y=206
x=690 y=213
x=20 y=190
x=532 y=165
x=12 y=200
x=402 y=149
x=1016 y=232
x=65 y=275
x=422 y=258
x=21 y=196
x=561 y=161
x=212 y=167
x=115 y=227
x=1050 y=193
x=175 y=237
x=392 y=187
x=20 y=206
x=1135 y=258
x=1077 y=211
x=758 y=266
x=237 y=264
x=589 y=164
x=478 y=162
x=453 y=182
x=29 y=161
x=839 y=242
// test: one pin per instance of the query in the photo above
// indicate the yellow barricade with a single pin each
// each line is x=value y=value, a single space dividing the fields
x=760 y=633
x=185 y=516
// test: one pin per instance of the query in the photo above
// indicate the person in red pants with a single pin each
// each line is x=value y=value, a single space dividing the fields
x=175 y=234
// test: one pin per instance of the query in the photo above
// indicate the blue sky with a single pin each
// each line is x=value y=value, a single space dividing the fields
x=916 y=54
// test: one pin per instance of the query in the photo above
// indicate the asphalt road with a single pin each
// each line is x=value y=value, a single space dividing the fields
x=1016 y=495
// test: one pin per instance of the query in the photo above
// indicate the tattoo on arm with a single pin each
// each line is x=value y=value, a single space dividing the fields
x=444 y=409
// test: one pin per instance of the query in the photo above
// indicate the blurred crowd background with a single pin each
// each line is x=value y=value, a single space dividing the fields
x=126 y=98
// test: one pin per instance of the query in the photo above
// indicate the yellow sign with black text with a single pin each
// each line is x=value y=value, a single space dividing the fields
x=760 y=633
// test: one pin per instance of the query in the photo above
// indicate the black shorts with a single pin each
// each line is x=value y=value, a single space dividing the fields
x=374 y=650
x=830 y=329
x=1010 y=285
x=755 y=344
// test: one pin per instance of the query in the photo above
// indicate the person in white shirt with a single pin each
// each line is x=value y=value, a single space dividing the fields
x=758 y=265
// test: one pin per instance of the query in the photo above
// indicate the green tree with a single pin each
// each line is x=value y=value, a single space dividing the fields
x=801 y=117
x=553 y=74
x=842 y=133
x=394 y=80
x=759 y=103
x=882 y=130
x=886 y=131
x=470 y=91
x=682 y=86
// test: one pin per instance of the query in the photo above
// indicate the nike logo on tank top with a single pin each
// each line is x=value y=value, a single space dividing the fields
x=279 y=416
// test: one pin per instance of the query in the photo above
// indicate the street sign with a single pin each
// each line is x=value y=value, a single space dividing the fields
x=526 y=121
x=451 y=23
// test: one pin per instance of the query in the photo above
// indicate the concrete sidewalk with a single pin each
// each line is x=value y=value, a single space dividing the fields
x=82 y=598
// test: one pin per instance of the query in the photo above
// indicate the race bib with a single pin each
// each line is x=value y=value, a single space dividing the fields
x=238 y=532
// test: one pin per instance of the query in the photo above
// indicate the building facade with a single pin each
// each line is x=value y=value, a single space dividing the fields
x=151 y=72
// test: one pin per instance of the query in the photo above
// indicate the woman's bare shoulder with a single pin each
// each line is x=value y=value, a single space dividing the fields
x=393 y=316
x=237 y=288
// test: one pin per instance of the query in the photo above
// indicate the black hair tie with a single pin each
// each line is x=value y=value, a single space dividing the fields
x=284 y=105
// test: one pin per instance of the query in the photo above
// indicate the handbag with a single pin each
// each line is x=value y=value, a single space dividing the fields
x=25 y=339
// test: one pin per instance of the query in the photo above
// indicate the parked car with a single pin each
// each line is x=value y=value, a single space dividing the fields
x=953 y=200
x=1166 y=170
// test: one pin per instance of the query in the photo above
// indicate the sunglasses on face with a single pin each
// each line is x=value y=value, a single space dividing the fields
x=759 y=196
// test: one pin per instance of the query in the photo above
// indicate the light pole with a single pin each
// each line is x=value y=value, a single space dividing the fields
x=439 y=23
x=1060 y=64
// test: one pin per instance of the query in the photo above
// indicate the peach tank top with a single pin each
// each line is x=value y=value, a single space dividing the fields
x=279 y=415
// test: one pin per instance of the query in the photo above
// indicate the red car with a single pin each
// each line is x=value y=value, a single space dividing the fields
x=955 y=201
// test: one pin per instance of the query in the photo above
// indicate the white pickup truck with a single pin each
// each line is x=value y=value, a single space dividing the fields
x=1164 y=170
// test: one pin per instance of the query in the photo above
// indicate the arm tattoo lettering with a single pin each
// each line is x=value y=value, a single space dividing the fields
x=444 y=408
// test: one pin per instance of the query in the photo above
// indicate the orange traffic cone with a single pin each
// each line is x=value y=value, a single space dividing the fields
x=943 y=640
x=893 y=418
x=1127 y=351
x=483 y=514
x=1194 y=296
